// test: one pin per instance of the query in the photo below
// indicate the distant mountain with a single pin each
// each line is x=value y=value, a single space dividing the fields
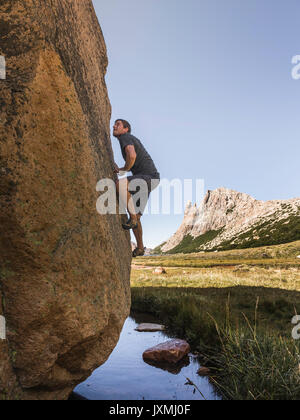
x=229 y=220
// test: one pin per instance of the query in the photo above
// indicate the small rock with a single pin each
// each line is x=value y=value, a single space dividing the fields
x=203 y=371
x=298 y=257
x=171 y=351
x=150 y=328
x=159 y=270
x=242 y=269
x=265 y=255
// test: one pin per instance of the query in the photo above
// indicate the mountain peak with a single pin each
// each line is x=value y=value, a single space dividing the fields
x=226 y=215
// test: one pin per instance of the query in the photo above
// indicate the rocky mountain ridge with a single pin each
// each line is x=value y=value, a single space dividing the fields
x=228 y=219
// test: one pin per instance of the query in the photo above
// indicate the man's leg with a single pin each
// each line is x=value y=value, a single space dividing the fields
x=138 y=233
x=126 y=197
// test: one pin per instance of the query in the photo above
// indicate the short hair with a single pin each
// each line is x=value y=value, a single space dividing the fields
x=125 y=124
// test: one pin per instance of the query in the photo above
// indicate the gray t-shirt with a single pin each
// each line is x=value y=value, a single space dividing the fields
x=144 y=164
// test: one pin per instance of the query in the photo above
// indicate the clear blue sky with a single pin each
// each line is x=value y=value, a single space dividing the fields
x=207 y=87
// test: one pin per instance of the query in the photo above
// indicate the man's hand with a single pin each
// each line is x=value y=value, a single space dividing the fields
x=116 y=169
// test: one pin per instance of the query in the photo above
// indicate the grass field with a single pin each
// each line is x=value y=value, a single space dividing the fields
x=235 y=308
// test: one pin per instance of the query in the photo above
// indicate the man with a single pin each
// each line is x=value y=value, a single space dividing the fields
x=140 y=163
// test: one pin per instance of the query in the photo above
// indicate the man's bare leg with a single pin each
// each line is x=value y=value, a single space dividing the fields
x=126 y=197
x=138 y=233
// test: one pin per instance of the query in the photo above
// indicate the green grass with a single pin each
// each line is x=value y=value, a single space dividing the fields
x=256 y=366
x=244 y=365
x=190 y=244
x=158 y=249
x=237 y=316
x=279 y=232
x=188 y=311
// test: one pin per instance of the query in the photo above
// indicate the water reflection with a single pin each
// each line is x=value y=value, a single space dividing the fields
x=175 y=369
x=125 y=375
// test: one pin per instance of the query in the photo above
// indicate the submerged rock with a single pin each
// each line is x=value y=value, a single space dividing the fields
x=171 y=351
x=203 y=371
x=150 y=328
x=64 y=289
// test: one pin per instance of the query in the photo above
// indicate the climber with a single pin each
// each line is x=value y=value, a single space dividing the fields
x=139 y=162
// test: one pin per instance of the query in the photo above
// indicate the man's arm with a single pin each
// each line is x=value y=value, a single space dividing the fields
x=130 y=158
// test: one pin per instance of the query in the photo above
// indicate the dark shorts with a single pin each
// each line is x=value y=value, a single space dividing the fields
x=148 y=186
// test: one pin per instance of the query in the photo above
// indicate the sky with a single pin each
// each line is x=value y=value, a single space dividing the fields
x=207 y=86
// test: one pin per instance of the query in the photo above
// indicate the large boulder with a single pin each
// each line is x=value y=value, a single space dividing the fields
x=171 y=351
x=64 y=269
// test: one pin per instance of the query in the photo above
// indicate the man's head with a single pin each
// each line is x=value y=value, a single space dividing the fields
x=121 y=127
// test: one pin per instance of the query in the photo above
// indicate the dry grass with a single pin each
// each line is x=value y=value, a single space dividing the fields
x=241 y=275
x=279 y=256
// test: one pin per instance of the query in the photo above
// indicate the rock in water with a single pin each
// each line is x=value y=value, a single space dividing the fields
x=171 y=351
x=150 y=327
x=64 y=269
x=203 y=371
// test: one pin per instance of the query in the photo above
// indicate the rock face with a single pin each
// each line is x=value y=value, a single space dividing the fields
x=228 y=219
x=171 y=351
x=64 y=269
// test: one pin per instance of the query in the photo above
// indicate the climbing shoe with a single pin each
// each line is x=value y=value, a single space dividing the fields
x=129 y=225
x=138 y=252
